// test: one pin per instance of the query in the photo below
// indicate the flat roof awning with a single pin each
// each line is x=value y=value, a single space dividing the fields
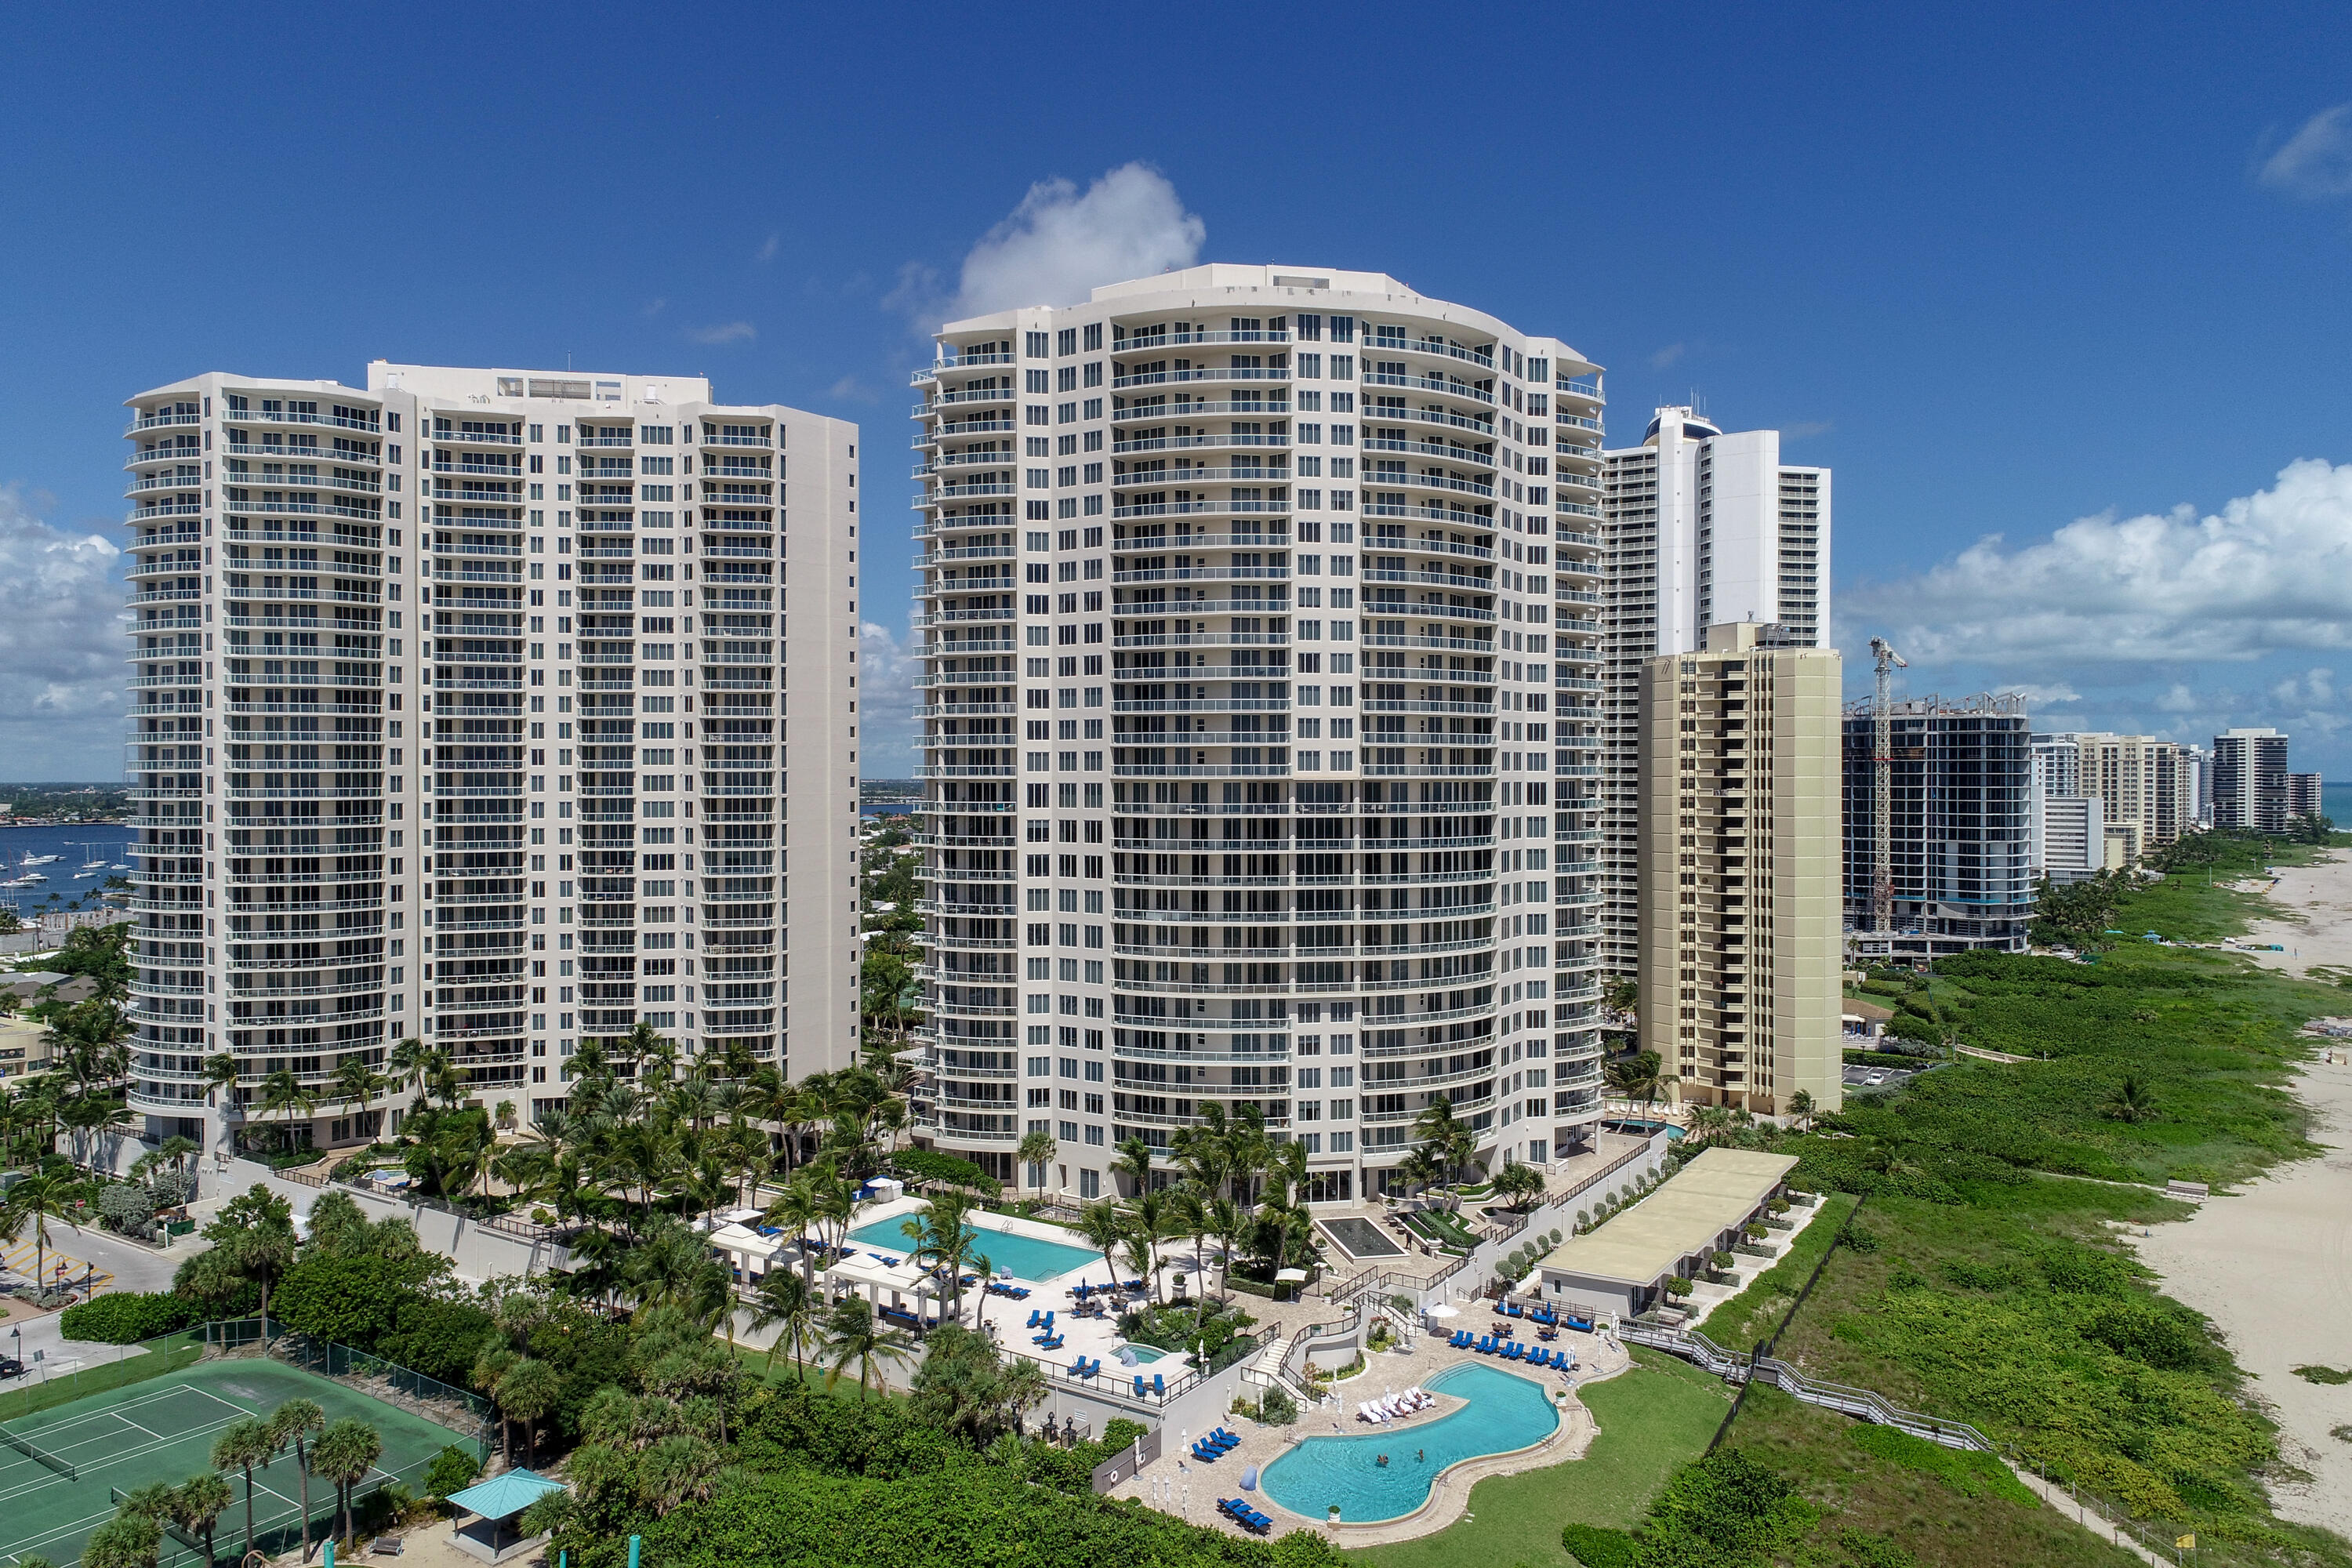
x=1695 y=1207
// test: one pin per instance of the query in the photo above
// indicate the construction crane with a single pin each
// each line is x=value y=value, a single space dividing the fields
x=1882 y=756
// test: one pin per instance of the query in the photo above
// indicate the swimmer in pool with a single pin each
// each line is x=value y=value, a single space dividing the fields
x=1382 y=1461
x=1420 y=1456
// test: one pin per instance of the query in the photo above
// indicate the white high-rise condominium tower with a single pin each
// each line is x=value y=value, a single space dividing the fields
x=462 y=712
x=1701 y=527
x=1260 y=663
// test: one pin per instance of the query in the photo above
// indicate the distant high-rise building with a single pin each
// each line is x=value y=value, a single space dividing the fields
x=1962 y=782
x=2070 y=837
x=460 y=713
x=1259 y=661
x=1739 y=870
x=1700 y=527
x=2250 y=788
x=2303 y=794
x=2147 y=784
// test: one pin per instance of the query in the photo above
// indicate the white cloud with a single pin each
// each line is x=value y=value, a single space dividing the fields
x=655 y=307
x=61 y=648
x=725 y=332
x=1666 y=356
x=2179 y=699
x=2316 y=687
x=849 y=389
x=2048 y=695
x=769 y=247
x=886 y=713
x=1804 y=427
x=2269 y=572
x=1060 y=242
x=2316 y=160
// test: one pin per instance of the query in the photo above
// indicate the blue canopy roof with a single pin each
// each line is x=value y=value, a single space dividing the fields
x=503 y=1495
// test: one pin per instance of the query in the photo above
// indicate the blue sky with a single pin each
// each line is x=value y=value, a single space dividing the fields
x=2075 y=277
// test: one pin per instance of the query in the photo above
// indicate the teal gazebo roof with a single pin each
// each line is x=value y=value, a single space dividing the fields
x=504 y=1495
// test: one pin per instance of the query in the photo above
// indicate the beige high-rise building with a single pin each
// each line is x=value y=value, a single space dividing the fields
x=2140 y=781
x=1739 y=863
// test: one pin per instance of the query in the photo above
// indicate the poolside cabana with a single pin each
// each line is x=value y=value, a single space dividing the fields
x=491 y=1534
x=1623 y=1266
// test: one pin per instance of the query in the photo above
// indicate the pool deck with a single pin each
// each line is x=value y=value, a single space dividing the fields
x=1165 y=1485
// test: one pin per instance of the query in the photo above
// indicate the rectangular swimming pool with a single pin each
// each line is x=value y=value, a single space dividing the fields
x=1025 y=1257
x=1361 y=1237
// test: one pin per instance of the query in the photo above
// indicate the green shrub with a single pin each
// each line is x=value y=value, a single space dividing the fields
x=930 y=1164
x=1596 y=1548
x=126 y=1316
x=453 y=1469
x=1859 y=1238
x=1966 y=1471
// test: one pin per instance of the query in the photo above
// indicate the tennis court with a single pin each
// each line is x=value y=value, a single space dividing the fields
x=163 y=1430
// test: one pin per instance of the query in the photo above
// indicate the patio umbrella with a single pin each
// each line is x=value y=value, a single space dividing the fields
x=1443 y=1310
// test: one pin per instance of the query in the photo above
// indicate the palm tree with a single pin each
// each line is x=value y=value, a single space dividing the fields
x=2131 y=1102
x=1227 y=1220
x=292 y=1424
x=943 y=1243
x=410 y=1062
x=1286 y=1168
x=37 y=1200
x=241 y=1445
x=1800 y=1106
x=1709 y=1123
x=785 y=1302
x=346 y=1451
x=1420 y=1166
x=356 y=1080
x=794 y=1212
x=1188 y=1215
x=1105 y=1228
x=197 y=1504
x=1134 y=1160
x=1436 y=1131
x=853 y=1335
x=527 y=1392
x=283 y=1092
x=129 y=1540
x=1035 y=1150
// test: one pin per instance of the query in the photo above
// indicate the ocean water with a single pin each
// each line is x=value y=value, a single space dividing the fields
x=2335 y=800
x=72 y=845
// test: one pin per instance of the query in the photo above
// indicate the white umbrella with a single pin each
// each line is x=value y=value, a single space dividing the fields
x=1443 y=1310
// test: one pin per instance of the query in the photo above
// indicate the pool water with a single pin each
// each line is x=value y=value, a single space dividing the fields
x=1503 y=1412
x=1026 y=1258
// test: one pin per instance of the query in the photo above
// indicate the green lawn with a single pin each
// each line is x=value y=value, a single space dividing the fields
x=1652 y=1419
x=1756 y=1312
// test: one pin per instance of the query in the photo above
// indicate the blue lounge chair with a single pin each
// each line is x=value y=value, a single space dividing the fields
x=1224 y=1439
x=1139 y=1385
x=1034 y=1316
x=1158 y=1386
x=1204 y=1453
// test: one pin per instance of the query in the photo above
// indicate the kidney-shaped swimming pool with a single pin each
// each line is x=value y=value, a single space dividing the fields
x=1502 y=1412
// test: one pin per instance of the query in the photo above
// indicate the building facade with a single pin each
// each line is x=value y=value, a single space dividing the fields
x=2147 y=789
x=1256 y=621
x=1699 y=526
x=2070 y=837
x=460 y=712
x=1962 y=795
x=1741 y=929
x=2303 y=794
x=2249 y=780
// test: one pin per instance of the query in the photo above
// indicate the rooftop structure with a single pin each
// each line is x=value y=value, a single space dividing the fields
x=1621 y=1267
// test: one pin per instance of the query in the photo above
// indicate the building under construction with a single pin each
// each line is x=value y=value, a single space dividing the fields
x=1959 y=824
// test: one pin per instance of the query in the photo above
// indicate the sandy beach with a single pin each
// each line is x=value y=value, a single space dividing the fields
x=2318 y=924
x=2272 y=1264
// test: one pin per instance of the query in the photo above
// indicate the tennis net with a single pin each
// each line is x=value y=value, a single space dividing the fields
x=38 y=1456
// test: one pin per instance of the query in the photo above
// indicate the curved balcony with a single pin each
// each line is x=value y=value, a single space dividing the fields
x=1276 y=407
x=1428 y=346
x=1186 y=443
x=1226 y=476
x=1419 y=385
x=1198 y=374
x=1408 y=479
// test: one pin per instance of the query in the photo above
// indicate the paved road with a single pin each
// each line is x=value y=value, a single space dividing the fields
x=134 y=1268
